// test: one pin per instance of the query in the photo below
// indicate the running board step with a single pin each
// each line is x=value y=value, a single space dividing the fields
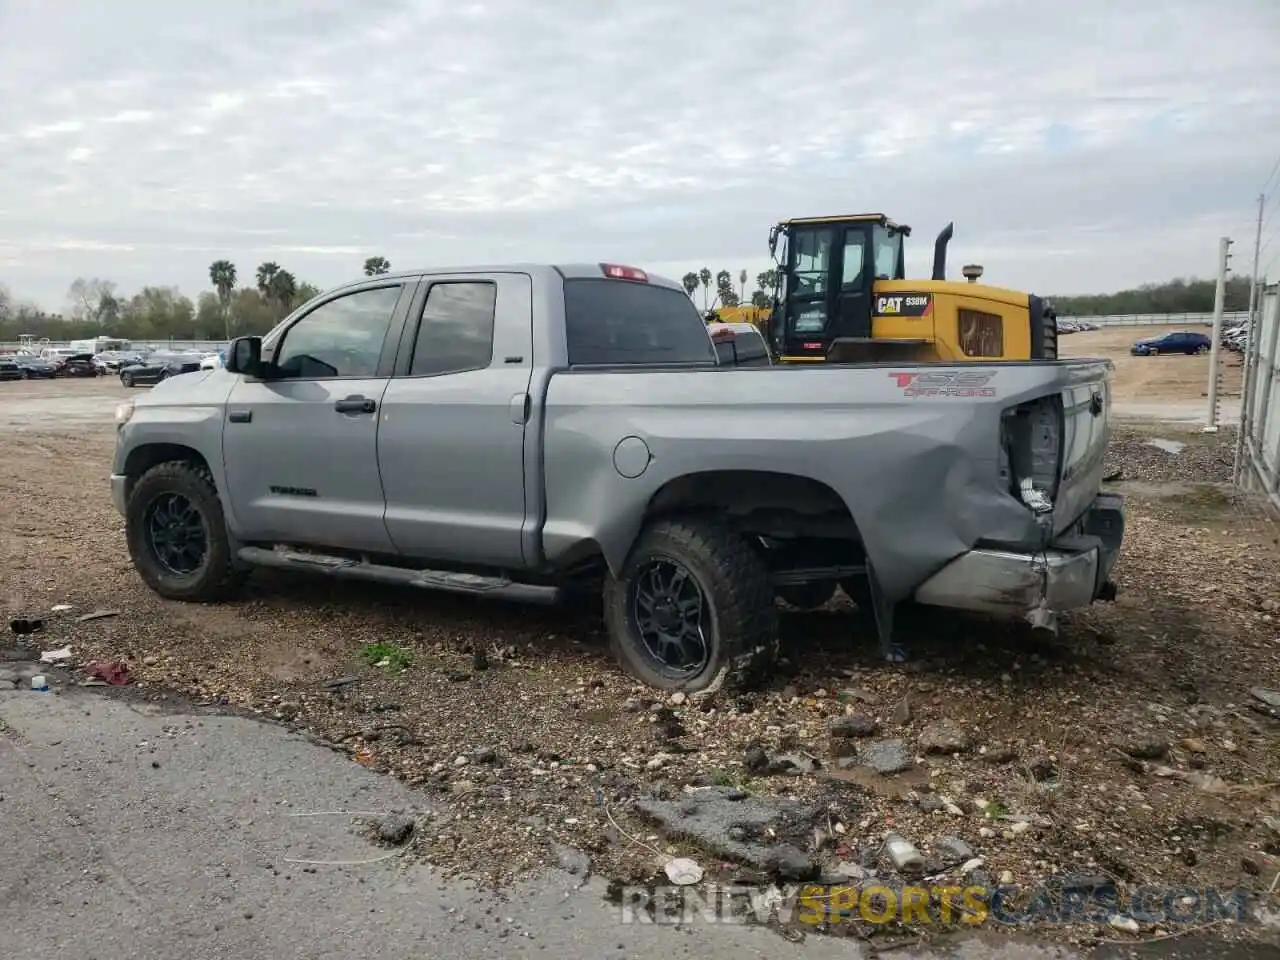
x=448 y=581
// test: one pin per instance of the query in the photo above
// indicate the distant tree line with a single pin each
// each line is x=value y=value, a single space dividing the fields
x=96 y=307
x=726 y=293
x=1173 y=296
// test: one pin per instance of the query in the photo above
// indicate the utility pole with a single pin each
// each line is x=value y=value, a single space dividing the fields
x=1251 y=325
x=1219 y=300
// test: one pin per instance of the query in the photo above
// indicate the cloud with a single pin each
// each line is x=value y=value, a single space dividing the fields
x=1077 y=147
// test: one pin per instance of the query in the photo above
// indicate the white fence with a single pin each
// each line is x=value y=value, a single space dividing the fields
x=1163 y=319
x=1258 y=453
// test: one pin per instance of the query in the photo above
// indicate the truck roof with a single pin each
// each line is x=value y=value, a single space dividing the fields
x=568 y=271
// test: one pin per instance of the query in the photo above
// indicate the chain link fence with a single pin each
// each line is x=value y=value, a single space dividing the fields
x=1257 y=459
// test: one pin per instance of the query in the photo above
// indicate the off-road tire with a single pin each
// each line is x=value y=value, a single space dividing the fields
x=807 y=596
x=735 y=583
x=218 y=575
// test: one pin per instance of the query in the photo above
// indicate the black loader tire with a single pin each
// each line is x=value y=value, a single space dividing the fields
x=218 y=576
x=807 y=596
x=734 y=582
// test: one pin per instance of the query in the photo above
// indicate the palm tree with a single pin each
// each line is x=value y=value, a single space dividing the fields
x=690 y=282
x=283 y=288
x=376 y=265
x=266 y=273
x=704 y=275
x=222 y=274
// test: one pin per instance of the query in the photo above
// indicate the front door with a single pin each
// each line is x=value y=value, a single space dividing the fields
x=853 y=294
x=300 y=447
x=452 y=440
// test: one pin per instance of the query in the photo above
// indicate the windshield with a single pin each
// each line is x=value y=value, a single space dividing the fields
x=886 y=247
x=623 y=322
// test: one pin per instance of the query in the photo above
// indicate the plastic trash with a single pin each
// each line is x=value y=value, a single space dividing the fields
x=39 y=683
x=903 y=852
x=54 y=656
x=683 y=872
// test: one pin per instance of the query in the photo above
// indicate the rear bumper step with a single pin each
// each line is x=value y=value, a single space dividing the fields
x=499 y=588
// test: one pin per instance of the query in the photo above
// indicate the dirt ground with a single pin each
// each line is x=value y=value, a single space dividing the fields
x=1132 y=745
x=1168 y=377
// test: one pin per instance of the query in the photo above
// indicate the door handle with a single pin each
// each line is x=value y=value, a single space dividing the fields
x=240 y=416
x=356 y=404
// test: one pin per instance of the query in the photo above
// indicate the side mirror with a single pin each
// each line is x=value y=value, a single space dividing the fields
x=244 y=356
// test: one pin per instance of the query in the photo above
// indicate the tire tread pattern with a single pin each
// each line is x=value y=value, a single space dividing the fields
x=742 y=596
x=222 y=576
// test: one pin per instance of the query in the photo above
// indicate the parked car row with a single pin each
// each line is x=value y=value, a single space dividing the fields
x=1075 y=326
x=133 y=367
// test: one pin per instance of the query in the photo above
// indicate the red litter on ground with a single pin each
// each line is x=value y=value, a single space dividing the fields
x=115 y=672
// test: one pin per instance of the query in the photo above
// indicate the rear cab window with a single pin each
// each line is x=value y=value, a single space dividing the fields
x=626 y=322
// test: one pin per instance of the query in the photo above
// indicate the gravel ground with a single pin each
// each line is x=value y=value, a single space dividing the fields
x=1130 y=747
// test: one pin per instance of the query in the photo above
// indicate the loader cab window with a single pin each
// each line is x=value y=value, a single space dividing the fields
x=855 y=245
x=886 y=246
x=809 y=264
x=812 y=261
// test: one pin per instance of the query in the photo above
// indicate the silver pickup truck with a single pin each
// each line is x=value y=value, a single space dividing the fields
x=528 y=431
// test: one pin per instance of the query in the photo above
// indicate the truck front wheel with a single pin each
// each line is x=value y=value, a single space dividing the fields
x=177 y=535
x=692 y=608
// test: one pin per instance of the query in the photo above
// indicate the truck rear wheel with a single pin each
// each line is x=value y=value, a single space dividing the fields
x=692 y=608
x=808 y=596
x=177 y=535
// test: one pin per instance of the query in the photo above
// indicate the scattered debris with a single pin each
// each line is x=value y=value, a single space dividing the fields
x=61 y=608
x=885 y=756
x=764 y=833
x=56 y=656
x=944 y=737
x=97 y=615
x=114 y=672
x=395 y=829
x=682 y=871
x=855 y=725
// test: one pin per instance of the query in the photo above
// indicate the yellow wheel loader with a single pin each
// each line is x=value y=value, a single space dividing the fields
x=843 y=297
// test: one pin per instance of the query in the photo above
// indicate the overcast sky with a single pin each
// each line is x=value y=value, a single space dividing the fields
x=1079 y=146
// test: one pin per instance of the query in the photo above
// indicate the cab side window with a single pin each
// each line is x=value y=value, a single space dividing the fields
x=456 y=332
x=341 y=338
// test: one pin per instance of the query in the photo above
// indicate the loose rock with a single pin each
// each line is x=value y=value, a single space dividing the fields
x=944 y=737
x=885 y=756
x=845 y=728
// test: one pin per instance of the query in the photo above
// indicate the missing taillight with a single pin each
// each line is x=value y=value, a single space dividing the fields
x=1031 y=451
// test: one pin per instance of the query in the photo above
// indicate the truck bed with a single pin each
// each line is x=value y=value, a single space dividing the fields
x=914 y=451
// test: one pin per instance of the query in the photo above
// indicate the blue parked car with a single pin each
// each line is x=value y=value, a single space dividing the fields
x=1180 y=342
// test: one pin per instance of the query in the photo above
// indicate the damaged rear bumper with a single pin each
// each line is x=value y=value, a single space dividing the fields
x=1073 y=573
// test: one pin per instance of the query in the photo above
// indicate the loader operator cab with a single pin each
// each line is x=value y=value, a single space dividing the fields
x=827 y=269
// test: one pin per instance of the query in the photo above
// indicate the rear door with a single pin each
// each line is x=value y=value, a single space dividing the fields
x=451 y=441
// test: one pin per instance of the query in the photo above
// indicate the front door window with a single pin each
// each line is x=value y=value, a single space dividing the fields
x=810 y=276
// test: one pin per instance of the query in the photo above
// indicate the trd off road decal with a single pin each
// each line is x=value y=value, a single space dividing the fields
x=945 y=383
x=904 y=305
